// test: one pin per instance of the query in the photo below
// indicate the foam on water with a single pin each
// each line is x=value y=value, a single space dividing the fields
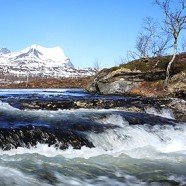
x=138 y=141
x=131 y=140
x=102 y=181
x=166 y=113
x=125 y=153
x=6 y=106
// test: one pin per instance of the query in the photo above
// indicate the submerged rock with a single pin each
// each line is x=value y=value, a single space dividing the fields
x=131 y=104
x=26 y=129
x=29 y=136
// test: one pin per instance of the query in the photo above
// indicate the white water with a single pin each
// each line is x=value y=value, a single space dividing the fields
x=138 y=141
x=166 y=113
x=129 y=155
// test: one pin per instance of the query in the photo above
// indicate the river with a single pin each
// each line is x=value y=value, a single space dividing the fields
x=87 y=146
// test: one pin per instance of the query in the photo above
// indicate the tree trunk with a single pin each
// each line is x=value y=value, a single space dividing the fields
x=166 y=83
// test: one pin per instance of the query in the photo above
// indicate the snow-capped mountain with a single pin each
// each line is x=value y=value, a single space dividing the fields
x=4 y=51
x=49 y=57
x=36 y=60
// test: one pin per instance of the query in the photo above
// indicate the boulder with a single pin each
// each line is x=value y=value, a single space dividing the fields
x=177 y=86
x=122 y=81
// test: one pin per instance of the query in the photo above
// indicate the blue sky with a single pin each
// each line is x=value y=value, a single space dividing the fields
x=87 y=30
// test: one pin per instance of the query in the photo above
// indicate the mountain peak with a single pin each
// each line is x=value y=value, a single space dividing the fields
x=39 y=47
x=34 y=46
x=4 y=51
x=55 y=54
x=36 y=60
x=49 y=57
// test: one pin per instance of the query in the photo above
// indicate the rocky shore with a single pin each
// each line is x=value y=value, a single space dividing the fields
x=132 y=87
x=144 y=77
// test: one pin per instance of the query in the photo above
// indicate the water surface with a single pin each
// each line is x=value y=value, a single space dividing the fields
x=124 y=154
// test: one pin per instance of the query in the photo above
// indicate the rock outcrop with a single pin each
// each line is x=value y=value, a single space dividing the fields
x=122 y=81
x=147 y=82
x=177 y=85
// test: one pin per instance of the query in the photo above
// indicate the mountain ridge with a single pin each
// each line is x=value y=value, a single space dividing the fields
x=40 y=61
x=4 y=50
x=48 y=56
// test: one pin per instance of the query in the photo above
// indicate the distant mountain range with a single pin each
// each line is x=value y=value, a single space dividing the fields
x=36 y=60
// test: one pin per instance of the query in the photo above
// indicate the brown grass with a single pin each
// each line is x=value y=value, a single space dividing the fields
x=52 y=83
x=145 y=65
x=149 y=89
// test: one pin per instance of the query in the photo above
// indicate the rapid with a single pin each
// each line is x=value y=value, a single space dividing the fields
x=88 y=146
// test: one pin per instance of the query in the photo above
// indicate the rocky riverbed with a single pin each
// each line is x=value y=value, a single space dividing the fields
x=73 y=137
x=95 y=101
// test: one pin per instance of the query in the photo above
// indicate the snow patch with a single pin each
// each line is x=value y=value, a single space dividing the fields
x=39 y=61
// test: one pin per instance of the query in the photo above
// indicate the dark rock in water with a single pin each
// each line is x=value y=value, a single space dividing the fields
x=19 y=128
x=29 y=136
x=47 y=105
x=98 y=103
x=23 y=129
x=143 y=118
x=133 y=104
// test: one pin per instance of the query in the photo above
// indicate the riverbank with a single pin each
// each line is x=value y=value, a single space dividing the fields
x=46 y=82
x=132 y=87
x=143 y=77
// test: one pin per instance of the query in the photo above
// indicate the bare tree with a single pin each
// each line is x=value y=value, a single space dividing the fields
x=174 y=23
x=132 y=55
x=97 y=65
x=150 y=42
x=143 y=43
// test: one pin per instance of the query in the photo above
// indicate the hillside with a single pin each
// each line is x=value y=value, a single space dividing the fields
x=143 y=77
x=154 y=64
